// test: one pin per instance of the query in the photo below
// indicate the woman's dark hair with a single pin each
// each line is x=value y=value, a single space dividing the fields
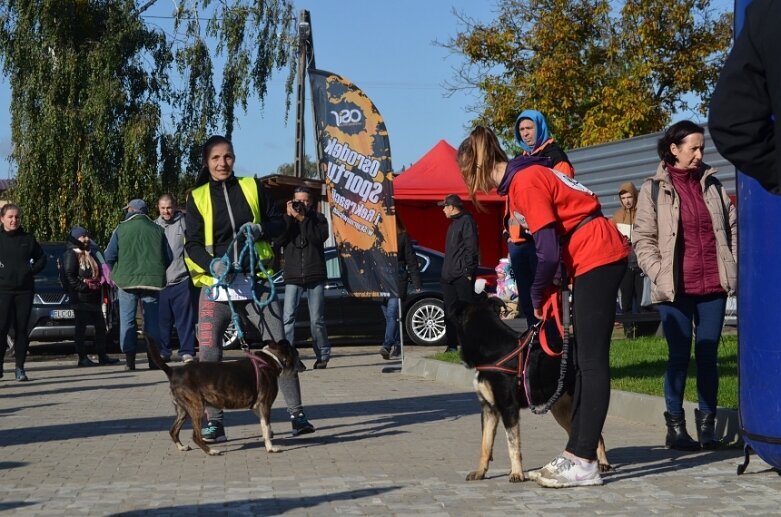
x=676 y=134
x=206 y=149
x=7 y=207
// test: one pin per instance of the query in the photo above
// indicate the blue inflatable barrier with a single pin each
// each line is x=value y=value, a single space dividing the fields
x=759 y=312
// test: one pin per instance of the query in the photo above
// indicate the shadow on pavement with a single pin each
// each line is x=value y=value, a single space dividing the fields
x=385 y=416
x=270 y=506
x=78 y=389
x=7 y=465
x=11 y=505
x=644 y=460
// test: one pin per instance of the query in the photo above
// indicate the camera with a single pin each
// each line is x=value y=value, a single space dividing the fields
x=299 y=206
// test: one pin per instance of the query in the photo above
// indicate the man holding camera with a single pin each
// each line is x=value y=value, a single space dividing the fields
x=304 y=270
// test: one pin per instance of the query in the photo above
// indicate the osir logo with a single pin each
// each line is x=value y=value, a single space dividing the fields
x=347 y=117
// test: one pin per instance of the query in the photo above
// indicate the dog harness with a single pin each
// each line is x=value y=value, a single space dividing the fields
x=258 y=363
x=516 y=362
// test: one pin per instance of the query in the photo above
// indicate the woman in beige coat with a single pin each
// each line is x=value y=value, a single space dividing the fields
x=685 y=237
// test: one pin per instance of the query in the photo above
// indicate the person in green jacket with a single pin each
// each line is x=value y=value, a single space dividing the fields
x=139 y=255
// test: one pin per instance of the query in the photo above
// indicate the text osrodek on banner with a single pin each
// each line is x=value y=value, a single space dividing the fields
x=355 y=160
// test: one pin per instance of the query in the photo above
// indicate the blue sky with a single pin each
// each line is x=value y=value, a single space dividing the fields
x=386 y=48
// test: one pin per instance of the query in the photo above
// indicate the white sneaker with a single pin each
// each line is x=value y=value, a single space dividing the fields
x=187 y=358
x=569 y=473
x=534 y=474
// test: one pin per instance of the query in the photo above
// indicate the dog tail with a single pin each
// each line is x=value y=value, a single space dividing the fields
x=154 y=355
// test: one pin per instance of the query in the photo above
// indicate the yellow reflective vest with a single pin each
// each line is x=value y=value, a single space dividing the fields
x=202 y=198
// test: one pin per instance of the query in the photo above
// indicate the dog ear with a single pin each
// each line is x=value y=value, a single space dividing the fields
x=497 y=304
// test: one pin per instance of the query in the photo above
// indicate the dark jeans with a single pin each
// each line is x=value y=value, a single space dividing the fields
x=90 y=316
x=459 y=289
x=594 y=311
x=706 y=313
x=15 y=310
x=523 y=259
x=178 y=306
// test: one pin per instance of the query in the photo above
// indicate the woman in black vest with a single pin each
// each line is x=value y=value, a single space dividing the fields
x=21 y=257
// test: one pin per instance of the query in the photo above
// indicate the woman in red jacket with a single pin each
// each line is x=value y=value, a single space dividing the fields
x=557 y=209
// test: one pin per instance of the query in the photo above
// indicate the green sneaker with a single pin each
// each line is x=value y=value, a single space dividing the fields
x=214 y=432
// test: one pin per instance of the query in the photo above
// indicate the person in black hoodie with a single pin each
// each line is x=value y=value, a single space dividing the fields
x=21 y=257
x=302 y=246
x=81 y=269
x=462 y=252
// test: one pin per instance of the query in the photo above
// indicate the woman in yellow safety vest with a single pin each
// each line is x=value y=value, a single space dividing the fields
x=218 y=208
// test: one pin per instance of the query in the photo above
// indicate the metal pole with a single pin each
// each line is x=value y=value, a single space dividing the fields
x=401 y=333
x=304 y=34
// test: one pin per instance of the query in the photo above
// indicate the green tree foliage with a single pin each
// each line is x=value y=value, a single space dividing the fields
x=310 y=168
x=599 y=70
x=107 y=106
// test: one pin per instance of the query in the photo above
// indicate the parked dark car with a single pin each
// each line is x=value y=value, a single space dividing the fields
x=349 y=318
x=52 y=317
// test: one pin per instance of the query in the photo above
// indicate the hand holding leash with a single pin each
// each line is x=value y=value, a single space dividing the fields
x=255 y=229
x=219 y=268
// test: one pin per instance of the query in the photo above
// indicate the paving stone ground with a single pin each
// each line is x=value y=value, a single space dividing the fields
x=95 y=441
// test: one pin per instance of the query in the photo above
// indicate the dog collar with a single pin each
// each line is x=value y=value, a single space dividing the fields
x=275 y=358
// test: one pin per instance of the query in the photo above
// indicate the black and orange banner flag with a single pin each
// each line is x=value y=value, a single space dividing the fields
x=355 y=159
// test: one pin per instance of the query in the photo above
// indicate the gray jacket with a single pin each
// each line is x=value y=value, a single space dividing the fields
x=174 y=233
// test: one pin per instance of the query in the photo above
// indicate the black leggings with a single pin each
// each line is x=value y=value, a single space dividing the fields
x=594 y=311
x=90 y=316
x=15 y=310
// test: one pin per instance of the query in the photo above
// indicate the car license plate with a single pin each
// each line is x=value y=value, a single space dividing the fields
x=61 y=314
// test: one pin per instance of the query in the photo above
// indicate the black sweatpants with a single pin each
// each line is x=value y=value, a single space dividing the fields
x=90 y=316
x=15 y=310
x=594 y=311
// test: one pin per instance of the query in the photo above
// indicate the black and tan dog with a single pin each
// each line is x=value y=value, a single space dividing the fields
x=485 y=339
x=227 y=385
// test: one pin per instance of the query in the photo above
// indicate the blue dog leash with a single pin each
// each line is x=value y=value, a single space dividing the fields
x=224 y=279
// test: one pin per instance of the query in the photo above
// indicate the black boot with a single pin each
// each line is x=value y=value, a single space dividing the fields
x=106 y=359
x=130 y=361
x=677 y=437
x=706 y=429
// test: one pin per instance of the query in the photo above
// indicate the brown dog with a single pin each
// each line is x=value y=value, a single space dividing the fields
x=228 y=385
x=485 y=339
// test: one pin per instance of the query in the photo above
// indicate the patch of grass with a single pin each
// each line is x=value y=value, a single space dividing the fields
x=448 y=357
x=638 y=365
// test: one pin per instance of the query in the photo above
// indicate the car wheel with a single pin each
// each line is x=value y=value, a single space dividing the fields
x=425 y=322
x=230 y=338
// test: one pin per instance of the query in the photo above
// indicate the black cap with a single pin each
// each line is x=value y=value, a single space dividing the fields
x=451 y=200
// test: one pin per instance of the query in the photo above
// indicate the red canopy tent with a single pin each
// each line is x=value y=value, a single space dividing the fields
x=417 y=190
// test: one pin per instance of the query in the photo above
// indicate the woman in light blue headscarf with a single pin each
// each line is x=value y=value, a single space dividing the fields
x=532 y=134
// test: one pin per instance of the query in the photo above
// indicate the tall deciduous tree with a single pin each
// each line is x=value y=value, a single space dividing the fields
x=107 y=106
x=599 y=70
x=310 y=168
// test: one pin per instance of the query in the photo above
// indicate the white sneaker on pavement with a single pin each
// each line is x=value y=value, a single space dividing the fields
x=534 y=474
x=569 y=473
x=187 y=358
